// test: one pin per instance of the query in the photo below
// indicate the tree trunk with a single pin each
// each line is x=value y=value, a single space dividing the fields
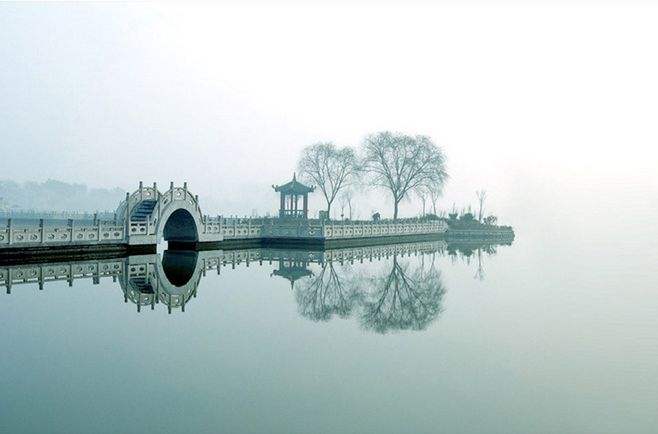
x=395 y=210
x=329 y=210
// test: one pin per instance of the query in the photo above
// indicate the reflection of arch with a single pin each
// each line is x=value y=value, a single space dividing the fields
x=179 y=266
x=172 y=281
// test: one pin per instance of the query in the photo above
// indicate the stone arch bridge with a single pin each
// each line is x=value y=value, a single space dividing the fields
x=174 y=215
x=148 y=216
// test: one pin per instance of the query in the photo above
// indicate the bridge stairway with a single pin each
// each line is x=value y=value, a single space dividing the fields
x=142 y=285
x=143 y=210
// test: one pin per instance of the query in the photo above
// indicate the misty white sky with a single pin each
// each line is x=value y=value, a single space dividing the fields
x=550 y=108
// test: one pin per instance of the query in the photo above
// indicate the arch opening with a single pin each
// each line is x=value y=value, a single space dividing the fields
x=180 y=227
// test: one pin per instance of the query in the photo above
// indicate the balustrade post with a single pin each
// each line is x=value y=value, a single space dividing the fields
x=141 y=192
x=171 y=190
x=185 y=190
x=71 y=229
x=10 y=236
x=196 y=201
x=126 y=223
x=43 y=238
x=148 y=224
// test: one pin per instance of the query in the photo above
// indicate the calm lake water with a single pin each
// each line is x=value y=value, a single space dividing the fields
x=547 y=335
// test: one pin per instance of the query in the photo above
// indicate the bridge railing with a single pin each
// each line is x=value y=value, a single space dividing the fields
x=179 y=193
x=149 y=227
x=240 y=228
x=15 y=234
x=234 y=227
x=367 y=229
x=142 y=193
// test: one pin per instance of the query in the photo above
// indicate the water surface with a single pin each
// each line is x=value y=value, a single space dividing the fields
x=413 y=338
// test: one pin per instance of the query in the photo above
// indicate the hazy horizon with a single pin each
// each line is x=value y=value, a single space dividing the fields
x=549 y=108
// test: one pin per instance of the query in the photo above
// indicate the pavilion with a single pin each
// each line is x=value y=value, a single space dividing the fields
x=291 y=192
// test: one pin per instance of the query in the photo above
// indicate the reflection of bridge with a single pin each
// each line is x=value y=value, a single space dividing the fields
x=148 y=215
x=399 y=294
x=173 y=279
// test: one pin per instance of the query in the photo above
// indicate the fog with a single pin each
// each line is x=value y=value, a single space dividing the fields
x=551 y=109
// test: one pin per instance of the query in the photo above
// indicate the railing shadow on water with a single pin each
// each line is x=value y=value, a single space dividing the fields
x=386 y=288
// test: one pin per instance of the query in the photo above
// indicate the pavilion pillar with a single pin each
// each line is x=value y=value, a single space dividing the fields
x=305 y=206
x=283 y=205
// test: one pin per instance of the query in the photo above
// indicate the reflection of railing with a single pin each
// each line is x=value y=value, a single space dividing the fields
x=209 y=260
x=145 y=282
x=44 y=273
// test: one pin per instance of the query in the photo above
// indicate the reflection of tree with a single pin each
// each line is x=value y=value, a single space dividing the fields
x=402 y=299
x=325 y=295
x=465 y=250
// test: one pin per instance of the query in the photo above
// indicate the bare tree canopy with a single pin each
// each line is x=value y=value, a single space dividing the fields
x=329 y=167
x=400 y=163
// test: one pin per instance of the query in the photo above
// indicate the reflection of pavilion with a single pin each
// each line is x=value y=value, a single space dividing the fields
x=292 y=271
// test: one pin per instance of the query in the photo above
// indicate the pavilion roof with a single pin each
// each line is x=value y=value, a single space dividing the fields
x=293 y=187
x=293 y=273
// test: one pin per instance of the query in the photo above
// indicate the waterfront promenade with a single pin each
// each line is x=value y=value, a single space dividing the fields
x=149 y=216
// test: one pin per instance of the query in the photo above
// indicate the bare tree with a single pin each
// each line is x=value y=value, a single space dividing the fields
x=481 y=195
x=422 y=194
x=329 y=167
x=346 y=200
x=435 y=193
x=401 y=163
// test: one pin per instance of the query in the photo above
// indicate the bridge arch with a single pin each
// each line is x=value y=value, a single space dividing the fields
x=151 y=216
x=178 y=217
